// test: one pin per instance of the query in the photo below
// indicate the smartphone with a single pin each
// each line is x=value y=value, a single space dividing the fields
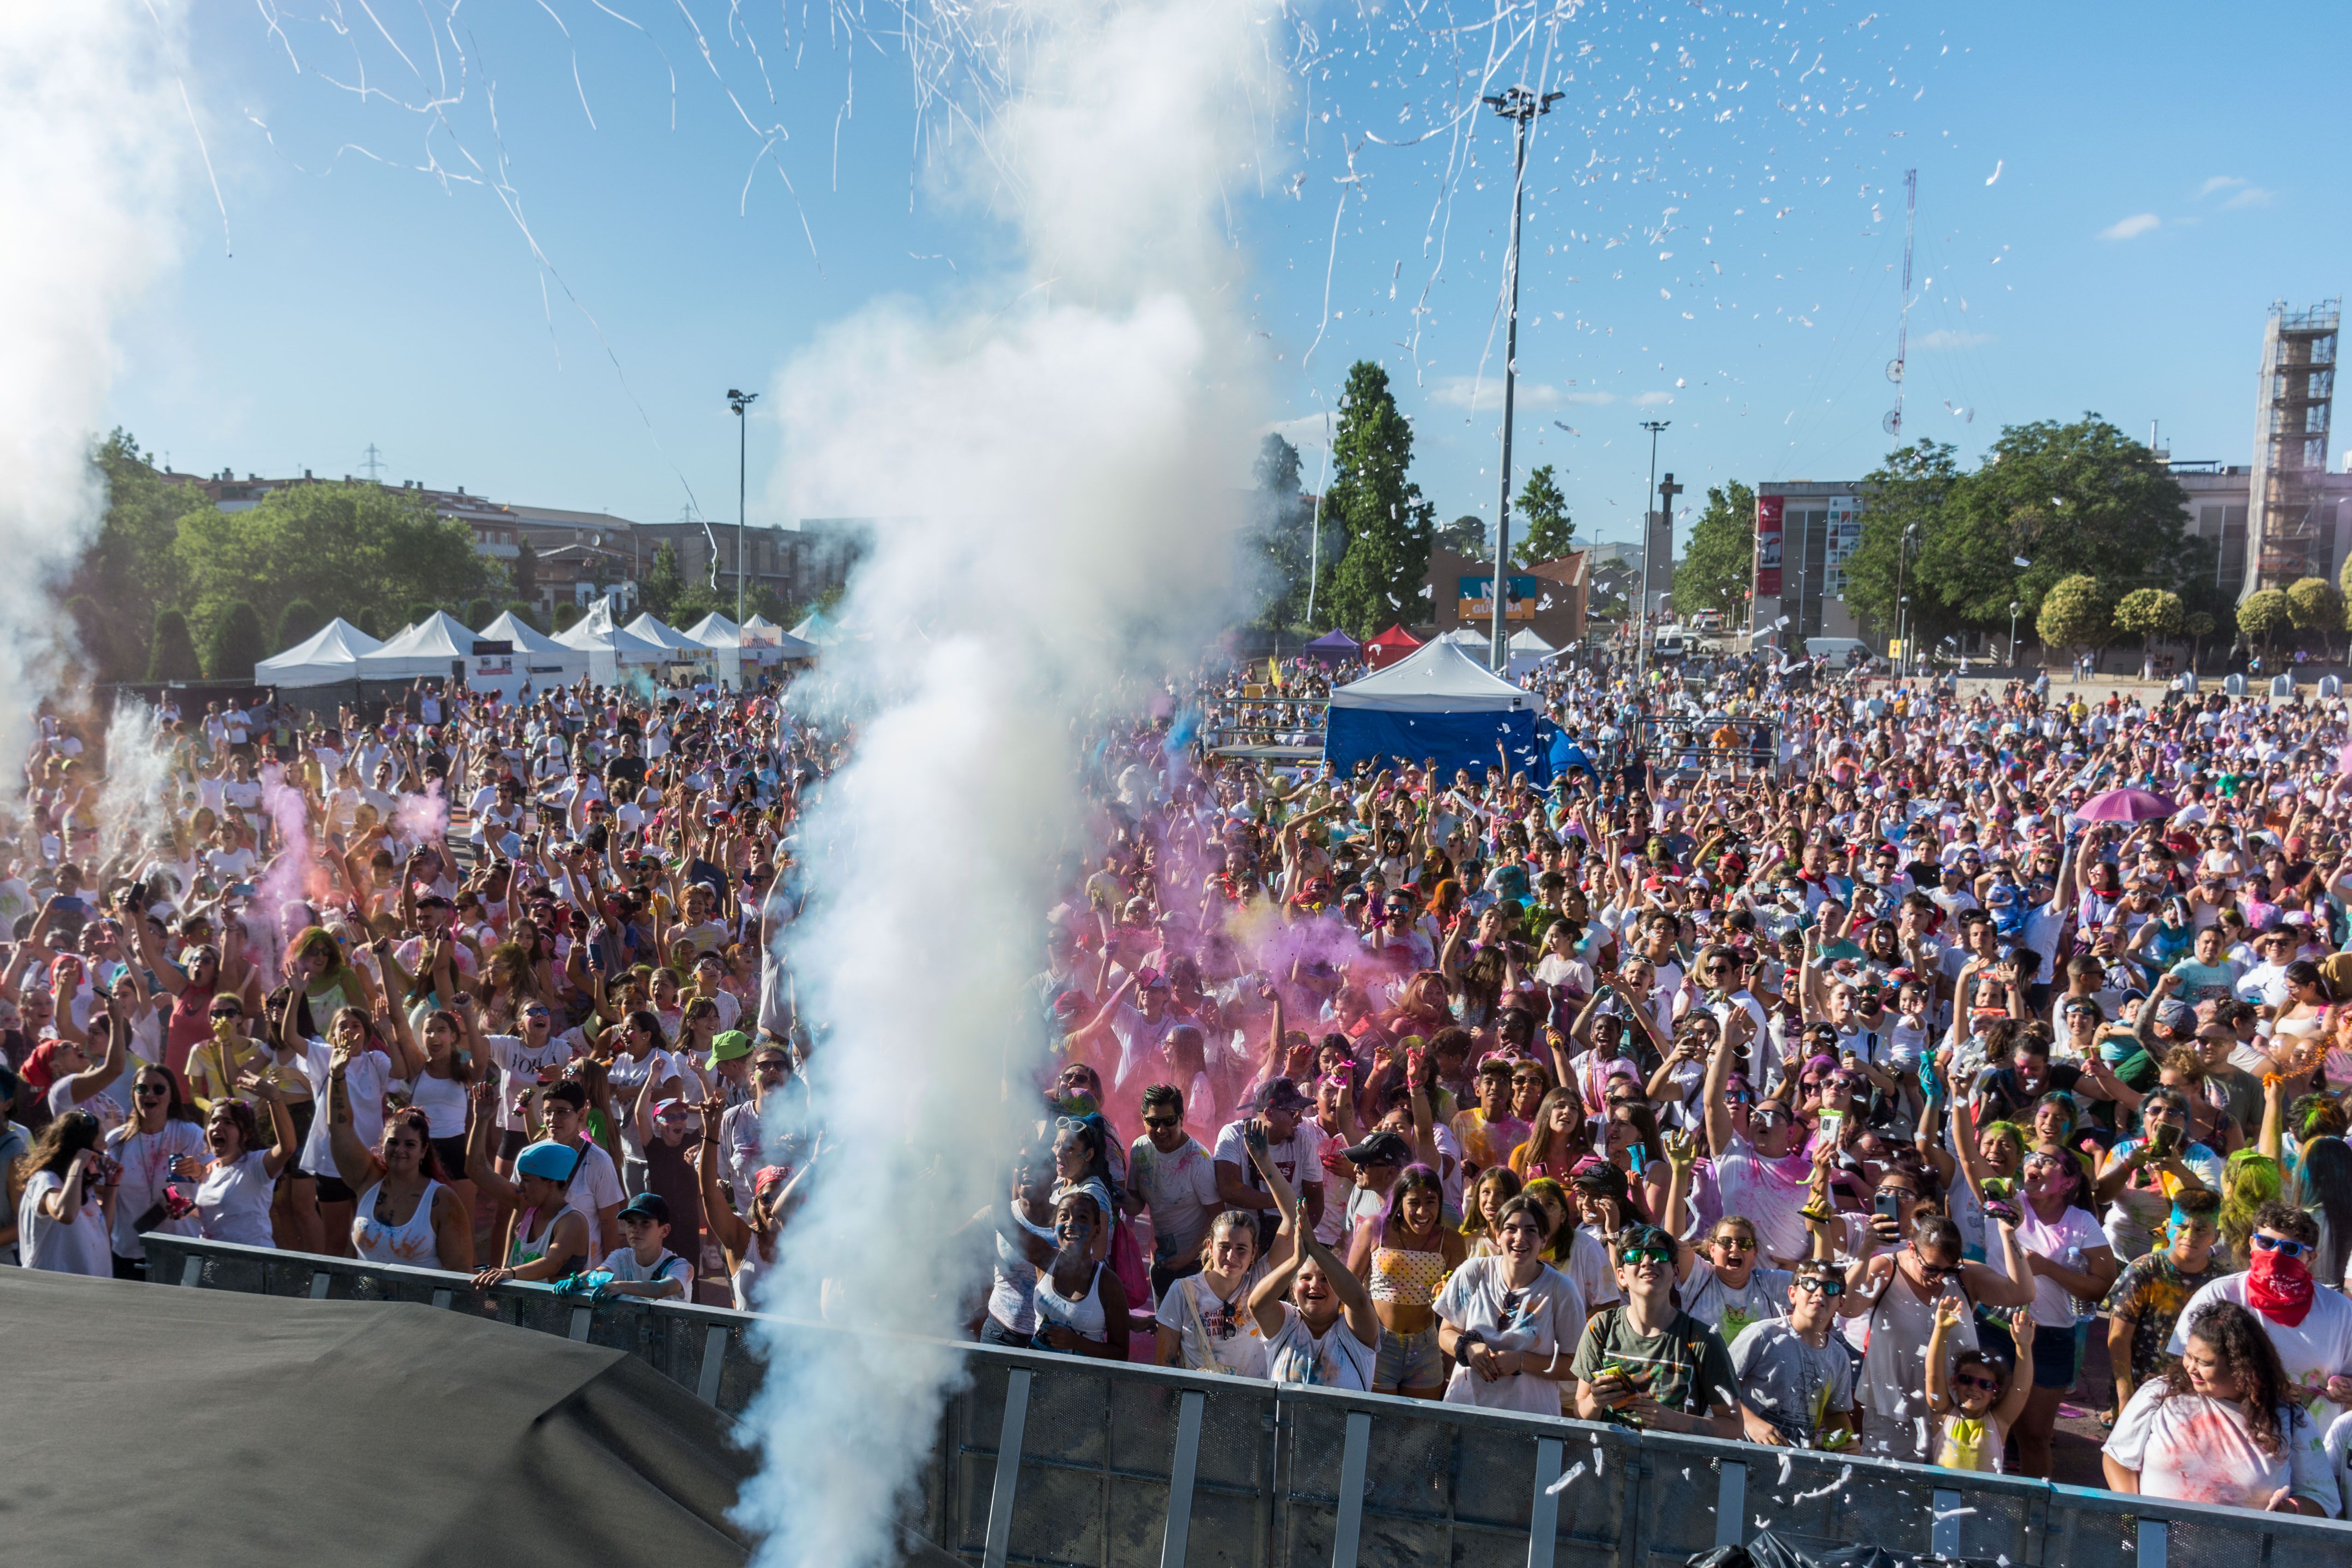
x=238 y=890
x=1884 y=1205
x=1832 y=1123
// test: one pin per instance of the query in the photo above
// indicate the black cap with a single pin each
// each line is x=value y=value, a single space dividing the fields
x=649 y=1206
x=1280 y=1095
x=1382 y=1149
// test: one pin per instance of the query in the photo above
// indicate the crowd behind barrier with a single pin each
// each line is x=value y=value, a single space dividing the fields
x=1828 y=1076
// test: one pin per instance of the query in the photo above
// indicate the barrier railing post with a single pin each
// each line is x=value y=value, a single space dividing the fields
x=714 y=1361
x=1008 y=1467
x=1181 y=1466
x=318 y=1279
x=1943 y=1523
x=1543 y=1519
x=1354 y=1460
x=1730 y=1504
x=2154 y=1535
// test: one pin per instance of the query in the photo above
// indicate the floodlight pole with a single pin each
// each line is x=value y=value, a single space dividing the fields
x=1519 y=105
x=741 y=401
x=1641 y=610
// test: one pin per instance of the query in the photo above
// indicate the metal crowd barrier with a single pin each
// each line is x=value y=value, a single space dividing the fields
x=1123 y=1466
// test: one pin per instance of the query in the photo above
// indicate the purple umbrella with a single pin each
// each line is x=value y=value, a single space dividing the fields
x=2125 y=806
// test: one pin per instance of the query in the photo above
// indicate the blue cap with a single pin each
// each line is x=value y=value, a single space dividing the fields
x=549 y=1161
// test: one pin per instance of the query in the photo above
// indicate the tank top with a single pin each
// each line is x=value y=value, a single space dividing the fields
x=1405 y=1278
x=1892 y=1389
x=1082 y=1314
x=1967 y=1445
x=443 y=1101
x=526 y=1249
x=1013 y=1287
x=415 y=1244
x=749 y=1272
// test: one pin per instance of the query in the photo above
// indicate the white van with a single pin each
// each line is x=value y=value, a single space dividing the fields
x=1841 y=652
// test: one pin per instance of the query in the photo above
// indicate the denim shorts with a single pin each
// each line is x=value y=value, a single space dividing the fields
x=1409 y=1361
x=2057 y=1356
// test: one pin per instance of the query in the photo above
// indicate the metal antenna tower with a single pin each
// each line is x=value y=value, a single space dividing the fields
x=1520 y=106
x=375 y=463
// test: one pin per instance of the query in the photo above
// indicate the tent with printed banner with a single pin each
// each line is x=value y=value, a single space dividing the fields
x=422 y=651
x=763 y=636
x=539 y=661
x=1389 y=647
x=1334 y=647
x=1437 y=703
x=685 y=649
x=328 y=656
x=610 y=648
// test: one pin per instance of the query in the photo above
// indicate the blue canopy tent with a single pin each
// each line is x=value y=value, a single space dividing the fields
x=1334 y=647
x=1438 y=703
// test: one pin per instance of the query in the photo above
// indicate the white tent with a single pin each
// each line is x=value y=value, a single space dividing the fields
x=817 y=630
x=424 y=651
x=329 y=654
x=1436 y=702
x=655 y=630
x=1527 y=651
x=609 y=647
x=759 y=631
x=538 y=660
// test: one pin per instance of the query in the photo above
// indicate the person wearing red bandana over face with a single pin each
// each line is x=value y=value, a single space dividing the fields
x=2310 y=1328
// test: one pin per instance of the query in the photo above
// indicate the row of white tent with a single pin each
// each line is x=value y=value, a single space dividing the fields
x=595 y=646
x=1527 y=649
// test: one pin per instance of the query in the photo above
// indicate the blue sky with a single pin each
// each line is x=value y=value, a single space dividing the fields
x=2109 y=197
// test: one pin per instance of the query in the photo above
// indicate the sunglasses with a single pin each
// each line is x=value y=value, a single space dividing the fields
x=772 y=1065
x=1735 y=1244
x=1974 y=1380
x=1634 y=1257
x=1821 y=1287
x=157 y=1090
x=2277 y=1244
x=1934 y=1273
x=1163 y=1122
x=230 y=1016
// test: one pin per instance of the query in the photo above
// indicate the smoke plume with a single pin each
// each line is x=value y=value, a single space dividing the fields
x=1053 y=473
x=97 y=136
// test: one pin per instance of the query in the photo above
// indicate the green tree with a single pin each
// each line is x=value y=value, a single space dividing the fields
x=1903 y=503
x=2313 y=605
x=1465 y=535
x=567 y=615
x=1384 y=577
x=1277 y=539
x=2263 y=615
x=2199 y=625
x=2148 y=613
x=371 y=621
x=1718 y=565
x=172 y=651
x=1545 y=530
x=346 y=547
x=664 y=584
x=2075 y=614
x=128 y=568
x=528 y=613
x=524 y=572
x=235 y=644
x=90 y=630
x=299 y=619
x=480 y=613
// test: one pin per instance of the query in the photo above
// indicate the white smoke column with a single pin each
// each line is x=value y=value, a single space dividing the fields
x=1056 y=478
x=96 y=138
x=134 y=801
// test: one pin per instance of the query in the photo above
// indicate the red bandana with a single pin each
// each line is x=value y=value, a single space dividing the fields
x=2279 y=1288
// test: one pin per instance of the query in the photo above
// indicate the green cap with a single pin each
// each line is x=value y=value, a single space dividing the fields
x=731 y=1046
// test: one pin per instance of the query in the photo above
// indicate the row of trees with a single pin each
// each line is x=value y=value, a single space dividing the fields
x=174 y=587
x=1370 y=568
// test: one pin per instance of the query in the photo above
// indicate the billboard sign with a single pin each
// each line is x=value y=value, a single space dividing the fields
x=1474 y=598
x=1768 y=549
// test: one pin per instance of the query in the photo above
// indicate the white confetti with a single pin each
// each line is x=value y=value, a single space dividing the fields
x=1952 y=1512
x=1567 y=1476
x=1787 y=1459
x=1600 y=1460
x=1844 y=1475
x=1989 y=179
x=1921 y=1422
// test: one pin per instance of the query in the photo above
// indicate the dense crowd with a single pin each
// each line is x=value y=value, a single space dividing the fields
x=1806 y=1059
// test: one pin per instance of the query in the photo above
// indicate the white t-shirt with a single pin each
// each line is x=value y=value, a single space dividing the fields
x=519 y=1065
x=623 y=1265
x=1772 y=1193
x=1214 y=1337
x=1337 y=1360
x=2199 y=1450
x=365 y=1080
x=2311 y=1352
x=2076 y=1230
x=76 y=1244
x=146 y=1159
x=1541 y=1319
x=594 y=1186
x=1180 y=1190
x=628 y=1074
x=1728 y=1311
x=1298 y=1157
x=233 y=1201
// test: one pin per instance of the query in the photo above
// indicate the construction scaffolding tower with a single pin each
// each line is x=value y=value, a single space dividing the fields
x=2292 y=535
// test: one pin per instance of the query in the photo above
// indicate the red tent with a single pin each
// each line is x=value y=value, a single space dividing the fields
x=1389 y=647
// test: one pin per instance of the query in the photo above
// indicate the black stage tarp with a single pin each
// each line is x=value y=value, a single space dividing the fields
x=150 y=1424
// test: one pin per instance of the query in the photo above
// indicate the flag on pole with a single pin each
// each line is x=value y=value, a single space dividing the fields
x=1273 y=673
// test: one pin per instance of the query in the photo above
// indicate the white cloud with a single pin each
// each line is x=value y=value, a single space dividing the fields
x=1652 y=399
x=2252 y=196
x=1479 y=392
x=2218 y=182
x=1945 y=338
x=2132 y=227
